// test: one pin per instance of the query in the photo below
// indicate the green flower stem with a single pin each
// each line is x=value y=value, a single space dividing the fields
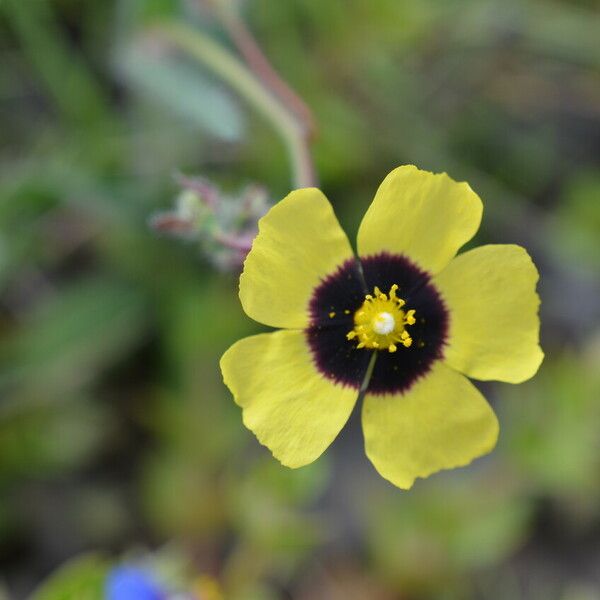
x=367 y=377
x=232 y=71
x=258 y=63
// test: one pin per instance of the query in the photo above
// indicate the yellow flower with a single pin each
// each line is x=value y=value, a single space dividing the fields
x=208 y=588
x=404 y=323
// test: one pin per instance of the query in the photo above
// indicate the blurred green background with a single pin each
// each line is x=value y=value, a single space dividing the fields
x=118 y=440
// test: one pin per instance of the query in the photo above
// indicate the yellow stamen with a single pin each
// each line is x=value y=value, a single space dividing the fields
x=380 y=323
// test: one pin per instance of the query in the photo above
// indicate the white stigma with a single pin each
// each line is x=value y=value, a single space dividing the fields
x=384 y=323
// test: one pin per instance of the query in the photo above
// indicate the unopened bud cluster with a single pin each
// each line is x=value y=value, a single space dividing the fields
x=224 y=225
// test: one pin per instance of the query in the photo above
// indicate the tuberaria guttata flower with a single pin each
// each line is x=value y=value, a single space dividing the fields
x=405 y=321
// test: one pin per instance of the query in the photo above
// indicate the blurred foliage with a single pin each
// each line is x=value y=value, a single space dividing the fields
x=552 y=437
x=82 y=578
x=423 y=542
x=116 y=433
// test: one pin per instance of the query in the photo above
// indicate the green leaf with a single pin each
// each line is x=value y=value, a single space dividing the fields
x=81 y=578
x=92 y=323
x=185 y=90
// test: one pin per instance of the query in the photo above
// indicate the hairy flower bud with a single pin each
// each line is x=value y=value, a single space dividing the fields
x=224 y=225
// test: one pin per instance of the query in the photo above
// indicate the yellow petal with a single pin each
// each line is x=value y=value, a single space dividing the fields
x=442 y=422
x=291 y=408
x=494 y=323
x=426 y=217
x=299 y=242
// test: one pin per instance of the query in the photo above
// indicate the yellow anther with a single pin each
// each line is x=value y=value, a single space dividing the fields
x=380 y=323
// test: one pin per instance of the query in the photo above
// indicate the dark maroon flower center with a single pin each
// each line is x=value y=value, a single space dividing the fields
x=332 y=309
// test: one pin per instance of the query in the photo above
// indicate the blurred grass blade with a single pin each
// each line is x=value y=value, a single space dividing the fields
x=65 y=75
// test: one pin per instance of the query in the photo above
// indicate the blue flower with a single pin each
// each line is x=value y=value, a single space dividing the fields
x=130 y=583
